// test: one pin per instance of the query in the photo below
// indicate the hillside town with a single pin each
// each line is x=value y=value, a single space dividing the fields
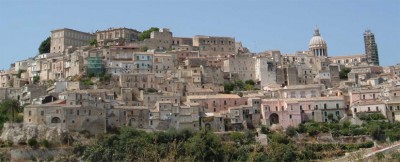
x=155 y=81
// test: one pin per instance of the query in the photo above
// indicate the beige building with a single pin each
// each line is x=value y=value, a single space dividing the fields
x=61 y=39
x=159 y=40
x=116 y=36
x=214 y=46
x=241 y=66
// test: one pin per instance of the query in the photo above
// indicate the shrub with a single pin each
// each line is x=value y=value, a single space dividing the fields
x=9 y=143
x=45 y=143
x=32 y=142
x=279 y=138
x=265 y=130
x=291 y=131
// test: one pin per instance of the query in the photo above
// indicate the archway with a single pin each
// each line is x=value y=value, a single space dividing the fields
x=274 y=118
x=56 y=120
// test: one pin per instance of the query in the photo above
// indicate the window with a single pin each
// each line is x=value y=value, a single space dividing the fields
x=363 y=97
x=301 y=108
x=337 y=113
x=30 y=113
x=224 y=102
x=42 y=113
x=369 y=109
x=77 y=112
x=325 y=106
x=337 y=106
x=377 y=108
x=290 y=116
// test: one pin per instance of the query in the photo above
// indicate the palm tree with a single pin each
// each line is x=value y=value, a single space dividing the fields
x=10 y=108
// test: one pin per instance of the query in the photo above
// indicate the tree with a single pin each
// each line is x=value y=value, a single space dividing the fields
x=228 y=87
x=146 y=34
x=9 y=109
x=251 y=82
x=343 y=74
x=93 y=42
x=239 y=84
x=36 y=79
x=330 y=116
x=204 y=146
x=45 y=46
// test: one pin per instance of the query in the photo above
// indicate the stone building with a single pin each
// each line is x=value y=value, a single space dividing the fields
x=116 y=36
x=293 y=111
x=61 y=39
x=214 y=46
x=159 y=40
x=242 y=66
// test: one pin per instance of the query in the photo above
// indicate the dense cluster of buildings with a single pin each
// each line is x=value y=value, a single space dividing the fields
x=97 y=81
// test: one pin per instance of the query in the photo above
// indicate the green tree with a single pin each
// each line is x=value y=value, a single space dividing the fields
x=9 y=110
x=344 y=72
x=376 y=132
x=36 y=79
x=251 y=82
x=204 y=146
x=146 y=34
x=45 y=46
x=228 y=87
x=93 y=42
x=239 y=85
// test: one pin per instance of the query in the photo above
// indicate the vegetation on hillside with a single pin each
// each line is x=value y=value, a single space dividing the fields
x=343 y=74
x=239 y=86
x=146 y=34
x=45 y=46
x=9 y=112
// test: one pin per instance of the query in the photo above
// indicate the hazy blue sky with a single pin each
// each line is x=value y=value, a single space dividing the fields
x=285 y=25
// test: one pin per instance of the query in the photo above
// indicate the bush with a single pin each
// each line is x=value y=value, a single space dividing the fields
x=45 y=143
x=32 y=142
x=9 y=143
x=265 y=130
x=279 y=138
x=374 y=116
x=291 y=131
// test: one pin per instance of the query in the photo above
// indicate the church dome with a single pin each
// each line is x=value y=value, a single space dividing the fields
x=318 y=45
x=317 y=40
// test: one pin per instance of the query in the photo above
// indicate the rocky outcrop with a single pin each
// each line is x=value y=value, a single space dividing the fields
x=19 y=133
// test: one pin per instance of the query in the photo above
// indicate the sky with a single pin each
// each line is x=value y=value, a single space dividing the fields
x=261 y=25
